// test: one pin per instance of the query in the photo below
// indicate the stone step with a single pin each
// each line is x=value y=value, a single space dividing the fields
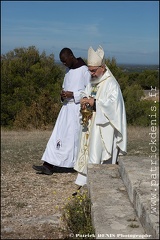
x=140 y=176
x=113 y=214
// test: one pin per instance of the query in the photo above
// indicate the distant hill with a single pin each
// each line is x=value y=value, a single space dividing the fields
x=137 y=67
x=130 y=67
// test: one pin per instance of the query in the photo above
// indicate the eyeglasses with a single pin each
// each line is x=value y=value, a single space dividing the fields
x=94 y=70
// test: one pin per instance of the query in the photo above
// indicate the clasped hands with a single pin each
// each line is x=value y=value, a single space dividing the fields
x=66 y=94
x=85 y=101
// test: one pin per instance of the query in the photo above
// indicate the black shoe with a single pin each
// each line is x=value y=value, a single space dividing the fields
x=47 y=171
x=37 y=168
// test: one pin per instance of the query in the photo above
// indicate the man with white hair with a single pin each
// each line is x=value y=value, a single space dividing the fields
x=105 y=137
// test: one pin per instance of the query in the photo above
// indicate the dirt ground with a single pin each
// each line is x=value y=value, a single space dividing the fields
x=32 y=204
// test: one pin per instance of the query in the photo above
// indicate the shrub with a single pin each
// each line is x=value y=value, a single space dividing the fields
x=77 y=215
x=41 y=113
x=25 y=76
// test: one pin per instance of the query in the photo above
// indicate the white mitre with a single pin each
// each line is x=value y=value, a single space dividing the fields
x=95 y=58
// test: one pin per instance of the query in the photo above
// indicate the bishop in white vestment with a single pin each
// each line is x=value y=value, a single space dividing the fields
x=105 y=137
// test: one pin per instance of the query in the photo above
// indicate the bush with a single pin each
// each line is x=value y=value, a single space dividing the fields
x=149 y=114
x=41 y=113
x=132 y=96
x=77 y=215
x=26 y=76
x=31 y=83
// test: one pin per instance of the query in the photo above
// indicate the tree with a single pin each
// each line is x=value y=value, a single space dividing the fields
x=132 y=96
x=31 y=83
x=148 y=78
x=25 y=75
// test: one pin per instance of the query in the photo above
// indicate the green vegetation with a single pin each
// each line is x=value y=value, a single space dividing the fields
x=31 y=83
x=77 y=216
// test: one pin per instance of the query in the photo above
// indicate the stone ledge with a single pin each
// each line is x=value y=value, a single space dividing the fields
x=120 y=197
x=142 y=190
x=113 y=215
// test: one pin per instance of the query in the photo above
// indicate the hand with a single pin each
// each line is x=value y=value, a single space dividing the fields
x=66 y=94
x=69 y=94
x=85 y=100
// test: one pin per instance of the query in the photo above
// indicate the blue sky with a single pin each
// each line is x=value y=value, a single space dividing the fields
x=127 y=30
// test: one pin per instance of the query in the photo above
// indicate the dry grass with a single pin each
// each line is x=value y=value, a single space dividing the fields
x=31 y=203
x=139 y=139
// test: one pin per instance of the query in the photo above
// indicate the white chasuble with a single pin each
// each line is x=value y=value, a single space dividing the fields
x=107 y=128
